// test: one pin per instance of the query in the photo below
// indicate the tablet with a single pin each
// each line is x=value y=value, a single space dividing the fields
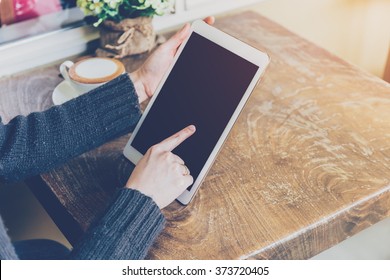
x=211 y=78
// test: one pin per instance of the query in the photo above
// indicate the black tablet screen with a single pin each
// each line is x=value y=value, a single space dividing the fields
x=204 y=88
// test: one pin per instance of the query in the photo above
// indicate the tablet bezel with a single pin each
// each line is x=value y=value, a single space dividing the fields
x=232 y=44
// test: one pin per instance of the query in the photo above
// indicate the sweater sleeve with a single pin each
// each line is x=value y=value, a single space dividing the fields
x=33 y=144
x=7 y=251
x=126 y=231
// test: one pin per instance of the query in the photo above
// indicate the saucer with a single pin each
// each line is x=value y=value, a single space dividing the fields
x=63 y=93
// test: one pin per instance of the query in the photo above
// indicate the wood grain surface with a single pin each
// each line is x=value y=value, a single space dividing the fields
x=306 y=165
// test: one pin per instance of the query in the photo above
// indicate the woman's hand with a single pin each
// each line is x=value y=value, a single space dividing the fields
x=149 y=75
x=160 y=174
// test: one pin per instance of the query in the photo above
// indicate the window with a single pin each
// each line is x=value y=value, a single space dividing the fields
x=20 y=19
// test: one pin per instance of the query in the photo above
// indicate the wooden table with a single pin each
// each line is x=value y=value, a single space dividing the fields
x=306 y=166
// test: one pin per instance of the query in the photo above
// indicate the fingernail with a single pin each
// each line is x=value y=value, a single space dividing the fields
x=192 y=128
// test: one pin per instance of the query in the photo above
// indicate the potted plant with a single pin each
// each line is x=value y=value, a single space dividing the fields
x=125 y=25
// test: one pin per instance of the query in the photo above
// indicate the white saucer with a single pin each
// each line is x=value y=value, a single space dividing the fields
x=63 y=93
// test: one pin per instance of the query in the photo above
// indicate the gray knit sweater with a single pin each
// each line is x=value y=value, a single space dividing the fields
x=41 y=141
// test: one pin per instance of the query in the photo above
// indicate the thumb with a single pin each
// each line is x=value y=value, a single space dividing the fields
x=175 y=41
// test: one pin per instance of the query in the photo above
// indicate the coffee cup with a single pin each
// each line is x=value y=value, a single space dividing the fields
x=90 y=73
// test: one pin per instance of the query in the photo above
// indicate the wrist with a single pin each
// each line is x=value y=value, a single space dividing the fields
x=144 y=192
x=138 y=86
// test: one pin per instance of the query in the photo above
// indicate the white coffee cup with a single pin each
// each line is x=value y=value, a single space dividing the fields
x=90 y=73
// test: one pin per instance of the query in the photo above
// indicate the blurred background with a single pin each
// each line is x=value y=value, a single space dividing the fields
x=358 y=31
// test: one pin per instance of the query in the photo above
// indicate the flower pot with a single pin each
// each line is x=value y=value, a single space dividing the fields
x=127 y=37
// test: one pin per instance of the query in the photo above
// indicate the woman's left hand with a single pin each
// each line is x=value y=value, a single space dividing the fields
x=149 y=75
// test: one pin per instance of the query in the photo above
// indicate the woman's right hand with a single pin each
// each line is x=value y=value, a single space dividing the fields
x=160 y=174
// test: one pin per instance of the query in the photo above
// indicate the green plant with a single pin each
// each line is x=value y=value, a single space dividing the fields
x=117 y=10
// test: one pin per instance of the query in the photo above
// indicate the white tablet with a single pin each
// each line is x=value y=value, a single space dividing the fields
x=211 y=78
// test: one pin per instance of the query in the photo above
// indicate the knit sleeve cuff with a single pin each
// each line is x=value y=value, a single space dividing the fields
x=126 y=231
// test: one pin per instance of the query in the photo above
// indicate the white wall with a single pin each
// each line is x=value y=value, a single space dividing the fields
x=356 y=30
